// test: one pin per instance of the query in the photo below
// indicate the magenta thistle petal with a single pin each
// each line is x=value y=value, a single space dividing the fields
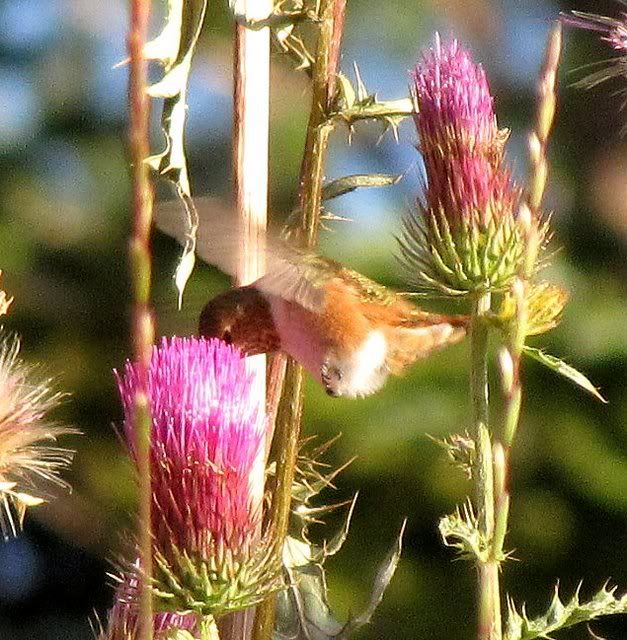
x=453 y=97
x=207 y=436
x=459 y=137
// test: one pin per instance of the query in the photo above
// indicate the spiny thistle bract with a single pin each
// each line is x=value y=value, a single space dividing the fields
x=208 y=431
x=468 y=236
x=28 y=461
x=122 y=623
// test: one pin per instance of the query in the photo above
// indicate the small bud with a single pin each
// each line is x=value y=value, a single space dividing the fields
x=535 y=147
x=525 y=218
x=500 y=469
x=5 y=302
x=506 y=367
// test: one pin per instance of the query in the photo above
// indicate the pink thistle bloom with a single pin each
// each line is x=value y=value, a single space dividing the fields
x=459 y=137
x=614 y=32
x=208 y=432
x=467 y=237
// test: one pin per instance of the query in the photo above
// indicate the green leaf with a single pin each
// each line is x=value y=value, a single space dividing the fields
x=559 y=366
x=174 y=48
x=380 y=584
x=304 y=612
x=346 y=184
x=561 y=615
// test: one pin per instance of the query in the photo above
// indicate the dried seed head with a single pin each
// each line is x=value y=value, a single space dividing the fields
x=29 y=464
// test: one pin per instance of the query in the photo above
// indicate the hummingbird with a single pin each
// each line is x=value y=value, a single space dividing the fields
x=347 y=330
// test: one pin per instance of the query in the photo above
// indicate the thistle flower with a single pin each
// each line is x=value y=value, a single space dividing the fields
x=27 y=460
x=468 y=237
x=614 y=32
x=207 y=478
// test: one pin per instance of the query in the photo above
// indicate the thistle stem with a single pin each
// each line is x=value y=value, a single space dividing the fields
x=489 y=604
x=141 y=274
x=289 y=412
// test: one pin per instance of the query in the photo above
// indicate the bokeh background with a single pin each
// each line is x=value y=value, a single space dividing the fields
x=64 y=221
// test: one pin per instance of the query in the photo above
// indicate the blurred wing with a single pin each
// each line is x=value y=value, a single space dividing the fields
x=292 y=274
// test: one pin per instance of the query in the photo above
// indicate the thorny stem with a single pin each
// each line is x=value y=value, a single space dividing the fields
x=325 y=68
x=489 y=603
x=141 y=273
x=311 y=181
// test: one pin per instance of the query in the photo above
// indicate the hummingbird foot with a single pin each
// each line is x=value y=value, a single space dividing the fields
x=330 y=376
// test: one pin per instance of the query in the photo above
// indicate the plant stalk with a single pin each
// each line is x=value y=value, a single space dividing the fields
x=489 y=602
x=141 y=275
x=251 y=111
x=289 y=411
x=511 y=354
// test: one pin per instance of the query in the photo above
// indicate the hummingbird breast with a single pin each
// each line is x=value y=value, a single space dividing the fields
x=339 y=346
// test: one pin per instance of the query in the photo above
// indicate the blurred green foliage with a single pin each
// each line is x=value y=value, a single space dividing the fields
x=63 y=247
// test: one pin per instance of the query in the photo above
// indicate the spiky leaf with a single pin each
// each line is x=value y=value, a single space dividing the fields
x=304 y=612
x=561 y=615
x=354 y=103
x=559 y=366
x=460 y=530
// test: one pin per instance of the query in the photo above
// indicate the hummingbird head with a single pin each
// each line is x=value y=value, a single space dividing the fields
x=241 y=317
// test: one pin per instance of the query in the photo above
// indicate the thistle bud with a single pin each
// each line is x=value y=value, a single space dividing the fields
x=208 y=430
x=467 y=237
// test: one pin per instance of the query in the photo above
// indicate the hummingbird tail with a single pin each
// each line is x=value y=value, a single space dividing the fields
x=415 y=343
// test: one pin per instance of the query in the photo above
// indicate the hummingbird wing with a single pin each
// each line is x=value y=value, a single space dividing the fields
x=292 y=274
x=368 y=291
